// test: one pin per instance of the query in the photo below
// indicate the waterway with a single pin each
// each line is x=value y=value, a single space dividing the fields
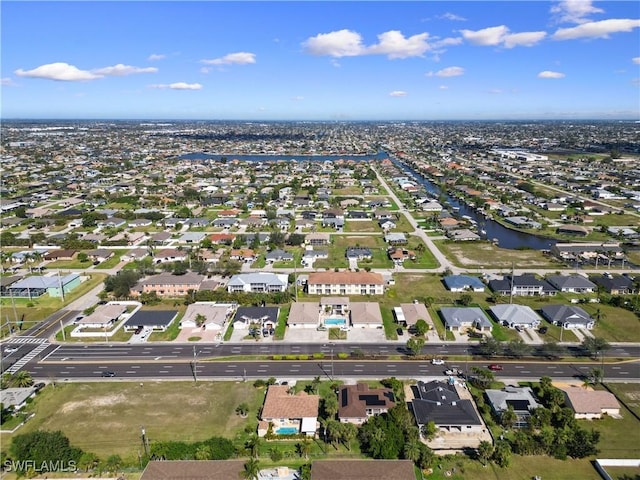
x=507 y=238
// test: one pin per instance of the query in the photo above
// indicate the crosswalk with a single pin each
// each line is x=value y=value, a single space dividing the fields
x=27 y=339
x=28 y=357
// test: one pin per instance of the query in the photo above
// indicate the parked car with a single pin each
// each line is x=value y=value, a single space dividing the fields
x=437 y=361
x=495 y=367
x=399 y=331
x=543 y=330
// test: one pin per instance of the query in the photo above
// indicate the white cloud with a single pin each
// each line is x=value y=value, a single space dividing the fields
x=495 y=91
x=178 y=86
x=58 y=71
x=524 y=39
x=452 y=16
x=7 y=82
x=156 y=56
x=550 y=74
x=394 y=45
x=636 y=60
x=347 y=43
x=443 y=87
x=635 y=82
x=574 y=11
x=600 y=29
x=238 y=58
x=298 y=98
x=486 y=36
x=341 y=43
x=398 y=93
x=121 y=70
x=447 y=72
x=500 y=36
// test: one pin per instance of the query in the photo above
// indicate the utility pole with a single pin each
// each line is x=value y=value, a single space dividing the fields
x=511 y=290
x=195 y=365
x=61 y=286
x=64 y=338
x=145 y=441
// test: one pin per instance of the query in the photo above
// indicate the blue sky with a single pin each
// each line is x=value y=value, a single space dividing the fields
x=332 y=60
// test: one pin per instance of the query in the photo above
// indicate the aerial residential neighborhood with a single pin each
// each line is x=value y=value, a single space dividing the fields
x=320 y=240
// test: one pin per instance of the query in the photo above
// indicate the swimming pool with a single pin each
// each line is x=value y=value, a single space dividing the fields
x=287 y=430
x=335 y=321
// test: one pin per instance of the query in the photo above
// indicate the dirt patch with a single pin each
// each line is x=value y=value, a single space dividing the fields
x=105 y=401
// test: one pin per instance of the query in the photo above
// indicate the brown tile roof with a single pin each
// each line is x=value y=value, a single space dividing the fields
x=304 y=312
x=193 y=470
x=279 y=404
x=362 y=470
x=365 y=312
x=353 y=400
x=346 y=278
x=590 y=401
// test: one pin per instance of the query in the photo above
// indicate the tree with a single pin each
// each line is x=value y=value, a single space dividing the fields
x=253 y=445
x=242 y=410
x=411 y=450
x=465 y=299
x=349 y=432
x=489 y=347
x=88 y=461
x=251 y=470
x=484 y=451
x=429 y=430
x=595 y=345
x=502 y=453
x=202 y=452
x=420 y=327
x=304 y=447
x=22 y=379
x=330 y=406
x=596 y=375
x=200 y=319
x=45 y=449
x=113 y=463
x=482 y=377
x=414 y=345
x=508 y=418
x=517 y=348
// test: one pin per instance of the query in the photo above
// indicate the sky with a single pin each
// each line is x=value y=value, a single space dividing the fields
x=320 y=61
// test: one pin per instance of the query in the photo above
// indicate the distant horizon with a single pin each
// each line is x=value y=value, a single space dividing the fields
x=325 y=61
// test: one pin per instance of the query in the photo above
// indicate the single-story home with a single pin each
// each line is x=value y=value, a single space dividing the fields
x=591 y=404
x=304 y=315
x=284 y=413
x=465 y=318
x=207 y=315
x=266 y=317
x=572 y=283
x=512 y=315
x=462 y=283
x=567 y=316
x=520 y=399
x=356 y=403
x=104 y=316
x=158 y=320
x=366 y=315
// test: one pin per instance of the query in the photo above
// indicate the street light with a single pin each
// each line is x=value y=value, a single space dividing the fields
x=195 y=365
x=331 y=344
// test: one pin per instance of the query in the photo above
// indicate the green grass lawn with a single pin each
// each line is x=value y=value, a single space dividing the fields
x=113 y=261
x=629 y=393
x=362 y=226
x=281 y=328
x=425 y=258
x=69 y=264
x=615 y=324
x=105 y=417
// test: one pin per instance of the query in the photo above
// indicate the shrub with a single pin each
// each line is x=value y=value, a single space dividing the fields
x=343 y=355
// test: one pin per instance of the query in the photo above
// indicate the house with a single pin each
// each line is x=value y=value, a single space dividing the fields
x=225 y=222
x=463 y=283
x=278 y=255
x=520 y=399
x=140 y=222
x=359 y=253
x=207 y=315
x=283 y=413
x=245 y=255
x=345 y=283
x=36 y=286
x=613 y=284
x=572 y=251
x=460 y=319
x=169 y=285
x=335 y=305
x=104 y=316
x=261 y=282
x=387 y=224
x=591 y=404
x=130 y=238
x=191 y=237
x=170 y=255
x=59 y=254
x=513 y=316
x=193 y=470
x=222 y=238
x=157 y=320
x=16 y=397
x=440 y=402
x=337 y=223
x=134 y=254
x=567 y=316
x=266 y=317
x=525 y=285
x=409 y=313
x=99 y=254
x=366 y=315
x=462 y=235
x=362 y=470
x=310 y=256
x=572 y=283
x=356 y=403
x=399 y=255
x=304 y=315
x=393 y=238
x=161 y=238
x=318 y=239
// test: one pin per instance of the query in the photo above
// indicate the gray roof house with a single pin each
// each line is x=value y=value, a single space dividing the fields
x=513 y=316
x=521 y=399
x=572 y=283
x=567 y=316
x=465 y=318
x=461 y=283
x=258 y=282
x=278 y=255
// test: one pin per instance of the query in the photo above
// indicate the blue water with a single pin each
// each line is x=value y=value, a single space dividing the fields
x=335 y=321
x=286 y=431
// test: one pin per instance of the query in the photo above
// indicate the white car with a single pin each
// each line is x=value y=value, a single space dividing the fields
x=8 y=350
x=437 y=361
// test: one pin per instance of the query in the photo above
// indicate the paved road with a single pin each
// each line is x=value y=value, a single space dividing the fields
x=239 y=370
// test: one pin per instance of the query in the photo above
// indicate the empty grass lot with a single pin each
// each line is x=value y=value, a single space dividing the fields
x=484 y=254
x=105 y=417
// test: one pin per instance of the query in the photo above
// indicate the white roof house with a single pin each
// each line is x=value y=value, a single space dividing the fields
x=215 y=315
x=516 y=315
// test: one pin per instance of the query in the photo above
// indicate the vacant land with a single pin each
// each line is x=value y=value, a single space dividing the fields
x=105 y=418
x=485 y=254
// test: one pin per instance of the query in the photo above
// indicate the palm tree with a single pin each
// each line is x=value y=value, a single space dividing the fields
x=412 y=450
x=349 y=432
x=203 y=452
x=253 y=445
x=485 y=451
x=251 y=470
x=22 y=379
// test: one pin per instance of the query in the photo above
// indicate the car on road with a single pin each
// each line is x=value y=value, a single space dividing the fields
x=8 y=350
x=437 y=361
x=108 y=374
x=495 y=367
